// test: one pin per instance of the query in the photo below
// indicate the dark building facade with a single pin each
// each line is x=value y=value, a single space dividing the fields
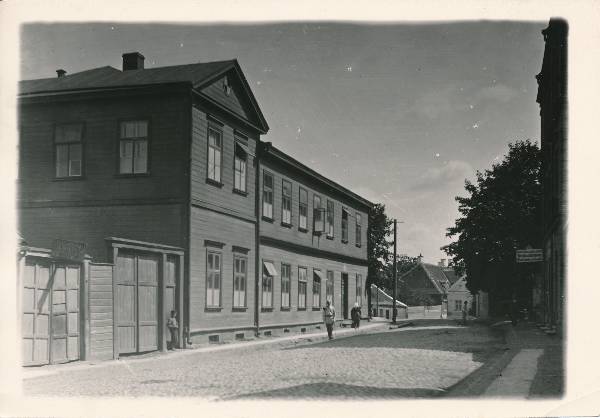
x=552 y=98
x=158 y=172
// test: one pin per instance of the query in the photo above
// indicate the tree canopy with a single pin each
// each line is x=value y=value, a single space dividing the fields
x=378 y=252
x=501 y=214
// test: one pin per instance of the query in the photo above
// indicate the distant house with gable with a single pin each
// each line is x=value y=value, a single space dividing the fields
x=426 y=283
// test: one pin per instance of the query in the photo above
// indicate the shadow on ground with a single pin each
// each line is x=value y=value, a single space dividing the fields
x=338 y=391
x=477 y=339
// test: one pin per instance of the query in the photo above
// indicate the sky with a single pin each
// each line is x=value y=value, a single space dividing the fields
x=399 y=113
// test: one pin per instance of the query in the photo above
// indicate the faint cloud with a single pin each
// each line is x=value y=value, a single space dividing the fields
x=435 y=178
x=497 y=92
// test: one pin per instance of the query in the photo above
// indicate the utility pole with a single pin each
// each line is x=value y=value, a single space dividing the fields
x=395 y=277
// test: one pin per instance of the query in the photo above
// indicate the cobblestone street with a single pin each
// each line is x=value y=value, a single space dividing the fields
x=381 y=364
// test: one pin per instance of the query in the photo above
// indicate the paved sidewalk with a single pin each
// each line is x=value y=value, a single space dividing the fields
x=530 y=365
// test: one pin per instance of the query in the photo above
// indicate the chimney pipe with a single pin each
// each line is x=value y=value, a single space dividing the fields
x=61 y=73
x=133 y=61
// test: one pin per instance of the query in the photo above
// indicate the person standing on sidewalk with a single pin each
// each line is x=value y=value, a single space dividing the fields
x=355 y=315
x=173 y=327
x=465 y=311
x=329 y=318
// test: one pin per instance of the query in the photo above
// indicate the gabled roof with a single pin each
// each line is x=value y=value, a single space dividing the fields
x=197 y=75
x=450 y=274
x=435 y=275
x=459 y=285
x=384 y=298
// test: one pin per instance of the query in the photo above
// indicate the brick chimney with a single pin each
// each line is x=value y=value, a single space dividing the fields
x=442 y=263
x=133 y=61
x=61 y=73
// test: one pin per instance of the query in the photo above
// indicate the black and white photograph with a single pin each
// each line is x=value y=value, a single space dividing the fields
x=337 y=210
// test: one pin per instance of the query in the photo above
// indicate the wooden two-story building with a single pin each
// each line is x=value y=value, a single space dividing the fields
x=159 y=173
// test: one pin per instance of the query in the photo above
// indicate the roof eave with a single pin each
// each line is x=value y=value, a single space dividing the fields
x=283 y=157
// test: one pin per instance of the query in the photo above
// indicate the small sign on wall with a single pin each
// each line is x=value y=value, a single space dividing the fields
x=68 y=250
x=530 y=255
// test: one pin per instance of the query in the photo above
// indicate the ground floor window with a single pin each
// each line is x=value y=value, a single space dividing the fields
x=213 y=279
x=301 y=287
x=458 y=305
x=285 y=285
x=359 y=289
x=316 y=302
x=239 y=282
x=329 y=287
x=267 y=284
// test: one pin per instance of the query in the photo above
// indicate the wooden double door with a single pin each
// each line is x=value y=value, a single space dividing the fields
x=140 y=305
x=50 y=312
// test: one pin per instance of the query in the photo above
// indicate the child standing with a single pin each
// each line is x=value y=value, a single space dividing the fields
x=173 y=327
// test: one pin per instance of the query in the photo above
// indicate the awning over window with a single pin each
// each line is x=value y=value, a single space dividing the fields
x=271 y=271
x=242 y=148
x=319 y=274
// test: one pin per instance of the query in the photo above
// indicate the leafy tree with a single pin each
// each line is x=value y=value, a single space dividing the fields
x=500 y=215
x=378 y=253
x=403 y=264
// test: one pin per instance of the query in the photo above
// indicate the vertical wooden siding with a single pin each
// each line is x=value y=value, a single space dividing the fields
x=101 y=311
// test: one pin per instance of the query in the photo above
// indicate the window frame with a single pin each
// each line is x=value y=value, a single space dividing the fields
x=318 y=209
x=345 y=211
x=137 y=139
x=316 y=306
x=288 y=268
x=327 y=287
x=305 y=281
x=300 y=206
x=262 y=287
x=243 y=191
x=243 y=258
x=358 y=229
x=330 y=223
x=359 y=289
x=55 y=145
x=265 y=217
x=283 y=199
x=220 y=255
x=216 y=127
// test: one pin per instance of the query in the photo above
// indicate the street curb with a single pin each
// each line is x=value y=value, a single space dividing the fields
x=30 y=373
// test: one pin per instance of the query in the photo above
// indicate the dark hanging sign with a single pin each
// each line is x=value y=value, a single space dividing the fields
x=68 y=250
x=530 y=255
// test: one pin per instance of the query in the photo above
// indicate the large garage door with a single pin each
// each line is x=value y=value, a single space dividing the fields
x=137 y=302
x=50 y=312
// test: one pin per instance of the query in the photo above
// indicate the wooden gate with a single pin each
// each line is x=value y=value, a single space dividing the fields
x=50 y=309
x=136 y=302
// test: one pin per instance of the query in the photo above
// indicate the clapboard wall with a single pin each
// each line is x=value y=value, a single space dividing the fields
x=101 y=311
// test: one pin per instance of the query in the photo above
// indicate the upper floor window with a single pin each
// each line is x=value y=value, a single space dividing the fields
x=133 y=146
x=239 y=168
x=68 y=154
x=318 y=221
x=303 y=209
x=344 y=225
x=215 y=152
x=358 y=230
x=286 y=202
x=330 y=219
x=267 y=211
